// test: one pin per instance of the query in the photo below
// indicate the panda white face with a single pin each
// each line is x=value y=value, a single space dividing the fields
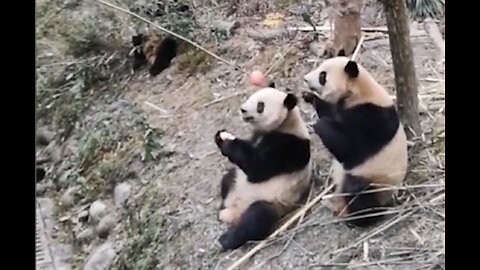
x=267 y=108
x=332 y=78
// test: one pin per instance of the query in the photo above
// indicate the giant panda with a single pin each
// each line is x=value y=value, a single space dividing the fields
x=272 y=169
x=359 y=125
x=158 y=52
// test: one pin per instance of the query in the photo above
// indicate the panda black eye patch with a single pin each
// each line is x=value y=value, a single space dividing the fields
x=322 y=79
x=260 y=107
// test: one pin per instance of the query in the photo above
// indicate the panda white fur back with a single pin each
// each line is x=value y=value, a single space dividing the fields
x=272 y=169
x=359 y=125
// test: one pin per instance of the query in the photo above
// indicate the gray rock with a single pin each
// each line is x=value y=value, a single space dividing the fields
x=121 y=194
x=41 y=188
x=317 y=48
x=85 y=235
x=226 y=27
x=135 y=168
x=105 y=226
x=83 y=216
x=97 y=210
x=68 y=198
x=101 y=257
x=43 y=136
x=62 y=181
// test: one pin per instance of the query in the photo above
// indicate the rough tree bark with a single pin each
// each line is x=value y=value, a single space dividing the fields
x=347 y=26
x=403 y=64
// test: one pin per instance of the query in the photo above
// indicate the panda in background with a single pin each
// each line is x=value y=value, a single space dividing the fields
x=155 y=51
x=272 y=170
x=360 y=127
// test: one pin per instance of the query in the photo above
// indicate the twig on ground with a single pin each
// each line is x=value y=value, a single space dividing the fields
x=378 y=230
x=172 y=33
x=158 y=109
x=392 y=188
x=326 y=28
x=222 y=99
x=379 y=262
x=382 y=29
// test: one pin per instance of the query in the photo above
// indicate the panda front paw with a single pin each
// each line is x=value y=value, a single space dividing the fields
x=221 y=136
x=309 y=97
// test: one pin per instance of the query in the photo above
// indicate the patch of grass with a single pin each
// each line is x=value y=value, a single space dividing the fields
x=143 y=227
x=62 y=101
x=119 y=137
x=284 y=3
x=194 y=61
x=173 y=16
x=152 y=233
x=422 y=9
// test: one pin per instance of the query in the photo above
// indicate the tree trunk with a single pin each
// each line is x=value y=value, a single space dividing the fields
x=347 y=26
x=403 y=64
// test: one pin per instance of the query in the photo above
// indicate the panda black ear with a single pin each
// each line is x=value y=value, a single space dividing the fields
x=271 y=85
x=352 y=69
x=341 y=52
x=290 y=101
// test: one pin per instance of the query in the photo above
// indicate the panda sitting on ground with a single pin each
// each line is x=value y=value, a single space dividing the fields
x=272 y=171
x=360 y=127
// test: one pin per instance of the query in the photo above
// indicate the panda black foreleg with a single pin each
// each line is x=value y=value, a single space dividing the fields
x=256 y=223
x=239 y=152
x=322 y=107
x=359 y=204
x=333 y=137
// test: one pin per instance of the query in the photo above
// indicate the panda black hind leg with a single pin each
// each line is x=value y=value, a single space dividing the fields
x=359 y=204
x=256 y=223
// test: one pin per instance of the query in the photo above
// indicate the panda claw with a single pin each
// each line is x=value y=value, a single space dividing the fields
x=218 y=138
x=308 y=97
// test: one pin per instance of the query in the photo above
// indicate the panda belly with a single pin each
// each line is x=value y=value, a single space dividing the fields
x=284 y=191
x=387 y=168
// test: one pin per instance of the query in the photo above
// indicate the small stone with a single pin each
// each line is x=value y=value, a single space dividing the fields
x=62 y=181
x=135 y=168
x=101 y=257
x=56 y=154
x=105 y=226
x=44 y=136
x=121 y=193
x=83 y=216
x=226 y=27
x=317 y=48
x=97 y=210
x=85 y=235
x=68 y=198
x=41 y=188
